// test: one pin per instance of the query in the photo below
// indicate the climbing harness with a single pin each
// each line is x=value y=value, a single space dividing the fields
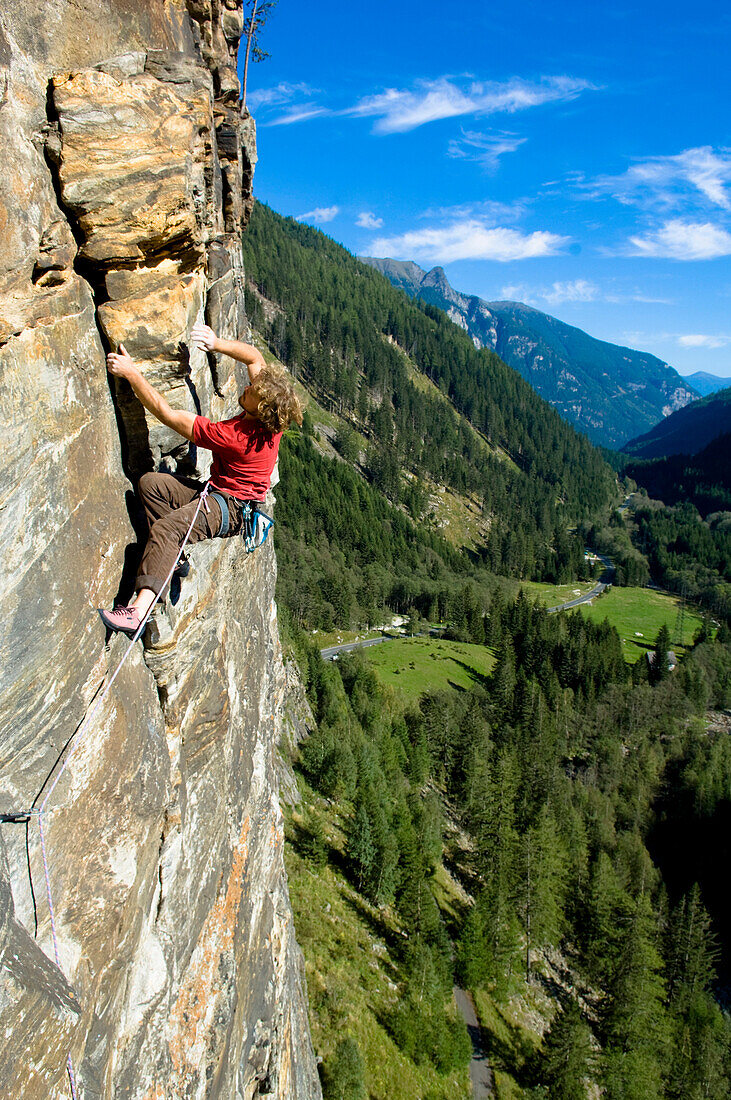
x=23 y=816
x=225 y=519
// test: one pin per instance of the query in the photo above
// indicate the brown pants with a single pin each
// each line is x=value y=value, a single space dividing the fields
x=170 y=505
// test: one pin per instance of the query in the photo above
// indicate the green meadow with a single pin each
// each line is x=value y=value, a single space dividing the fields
x=412 y=666
x=638 y=614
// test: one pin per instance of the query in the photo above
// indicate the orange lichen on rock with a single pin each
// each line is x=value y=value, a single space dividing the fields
x=157 y=1092
x=192 y=1019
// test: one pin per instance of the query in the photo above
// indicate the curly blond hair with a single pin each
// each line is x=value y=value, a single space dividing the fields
x=279 y=406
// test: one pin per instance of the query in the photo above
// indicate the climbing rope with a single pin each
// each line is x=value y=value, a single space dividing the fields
x=23 y=816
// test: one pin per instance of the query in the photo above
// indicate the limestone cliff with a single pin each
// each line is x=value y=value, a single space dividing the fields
x=125 y=188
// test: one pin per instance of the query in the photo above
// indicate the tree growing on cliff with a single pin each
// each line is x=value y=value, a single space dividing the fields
x=257 y=13
x=345 y=1073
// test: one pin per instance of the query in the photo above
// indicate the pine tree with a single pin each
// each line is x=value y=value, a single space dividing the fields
x=660 y=659
x=701 y=1036
x=345 y=1073
x=691 y=949
x=568 y=1056
x=471 y=961
x=635 y=1021
x=256 y=15
x=543 y=885
x=361 y=850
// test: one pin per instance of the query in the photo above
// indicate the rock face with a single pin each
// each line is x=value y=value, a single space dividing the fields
x=126 y=185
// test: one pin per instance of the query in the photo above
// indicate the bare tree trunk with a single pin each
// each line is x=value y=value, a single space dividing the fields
x=527 y=923
x=249 y=39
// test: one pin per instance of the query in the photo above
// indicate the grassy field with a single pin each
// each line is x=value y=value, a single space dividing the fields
x=350 y=951
x=638 y=614
x=457 y=518
x=551 y=595
x=412 y=666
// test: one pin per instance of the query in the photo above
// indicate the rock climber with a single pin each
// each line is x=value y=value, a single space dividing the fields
x=244 y=450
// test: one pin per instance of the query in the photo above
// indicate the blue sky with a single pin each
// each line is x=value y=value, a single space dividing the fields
x=569 y=155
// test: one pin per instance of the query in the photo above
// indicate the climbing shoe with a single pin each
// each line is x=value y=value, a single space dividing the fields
x=182 y=569
x=124 y=620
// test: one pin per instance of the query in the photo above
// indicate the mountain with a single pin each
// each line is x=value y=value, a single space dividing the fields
x=611 y=393
x=687 y=431
x=706 y=383
x=532 y=752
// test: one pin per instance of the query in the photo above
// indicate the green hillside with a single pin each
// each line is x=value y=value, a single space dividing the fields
x=514 y=816
x=702 y=479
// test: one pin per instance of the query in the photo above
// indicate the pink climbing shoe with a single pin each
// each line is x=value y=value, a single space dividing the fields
x=124 y=620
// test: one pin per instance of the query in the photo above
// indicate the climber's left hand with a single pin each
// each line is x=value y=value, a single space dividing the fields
x=120 y=363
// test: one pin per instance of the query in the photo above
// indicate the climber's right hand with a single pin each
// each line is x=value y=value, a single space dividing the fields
x=203 y=337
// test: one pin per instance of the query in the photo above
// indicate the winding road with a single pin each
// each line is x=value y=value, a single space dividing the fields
x=331 y=652
x=604 y=581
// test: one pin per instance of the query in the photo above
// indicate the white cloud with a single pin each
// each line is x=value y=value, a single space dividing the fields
x=578 y=290
x=299 y=114
x=646 y=299
x=366 y=220
x=399 y=109
x=682 y=240
x=468 y=240
x=276 y=96
x=574 y=290
x=702 y=340
x=679 y=339
x=486 y=211
x=698 y=175
x=319 y=215
x=486 y=149
x=295 y=100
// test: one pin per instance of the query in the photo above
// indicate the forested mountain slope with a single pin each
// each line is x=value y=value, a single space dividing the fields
x=702 y=479
x=688 y=430
x=607 y=391
x=566 y=772
x=366 y=352
x=559 y=769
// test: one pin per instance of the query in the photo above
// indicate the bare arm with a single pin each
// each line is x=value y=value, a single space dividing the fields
x=121 y=365
x=204 y=337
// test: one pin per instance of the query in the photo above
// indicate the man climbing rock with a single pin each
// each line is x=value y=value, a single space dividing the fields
x=244 y=450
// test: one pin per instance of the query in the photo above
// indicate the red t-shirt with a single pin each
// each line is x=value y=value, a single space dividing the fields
x=244 y=453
